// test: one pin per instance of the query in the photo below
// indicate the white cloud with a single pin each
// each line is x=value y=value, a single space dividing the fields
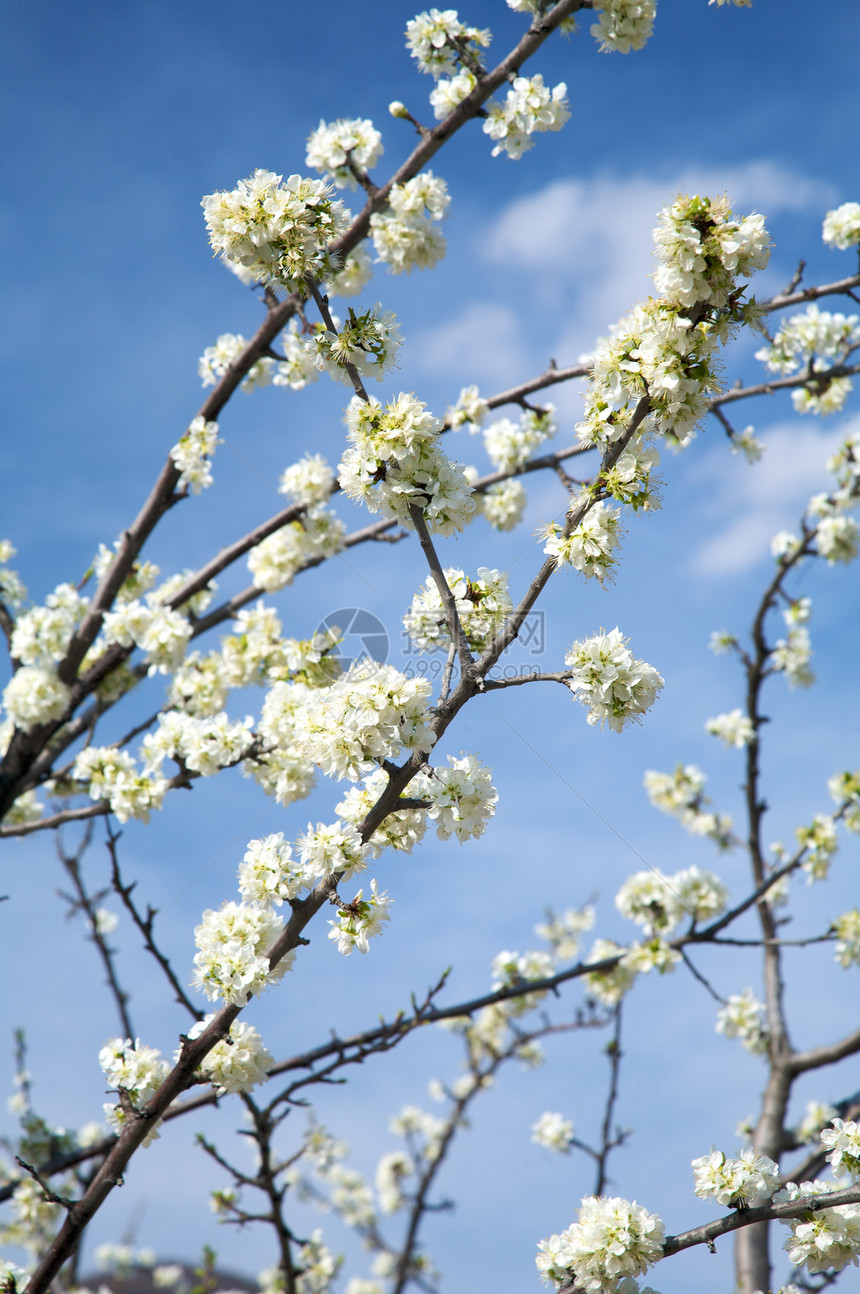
x=483 y=344
x=757 y=501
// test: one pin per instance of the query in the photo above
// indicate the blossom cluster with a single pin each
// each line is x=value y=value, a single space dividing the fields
x=623 y=25
x=236 y=1064
x=509 y=444
x=743 y=1017
x=483 y=604
x=135 y=1069
x=562 y=931
x=394 y=462
x=12 y=591
x=681 y=794
x=529 y=108
x=553 y=1132
x=664 y=350
x=405 y=237
x=279 y=231
x=503 y=504
x=192 y=455
x=401 y=830
x=470 y=410
x=607 y=678
x=232 y=960
x=216 y=360
x=369 y=714
x=42 y=634
x=658 y=902
x=847 y=930
x=819 y=842
x=334 y=148
x=360 y=920
x=842 y=226
x=735 y=729
x=611 y=1239
x=590 y=546
x=34 y=694
x=368 y=343
x=791 y=655
x=842 y=1140
x=276 y=559
x=462 y=797
x=437 y=41
x=813 y=342
x=735 y=1183
x=824 y=1240
x=111 y=774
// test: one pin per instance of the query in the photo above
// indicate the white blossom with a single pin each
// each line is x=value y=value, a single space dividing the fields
x=309 y=481
x=216 y=360
x=483 y=605
x=649 y=898
x=276 y=559
x=405 y=237
x=332 y=146
x=352 y=276
x=529 y=107
x=470 y=410
x=842 y=226
x=369 y=714
x=368 y=342
x=192 y=454
x=681 y=794
x=610 y=681
x=42 y=634
x=735 y=729
x=791 y=656
x=590 y=547
x=562 y=931
x=279 y=231
x=111 y=774
x=836 y=538
x=360 y=920
x=328 y=849
x=462 y=797
x=390 y=1173
x=553 y=1132
x=623 y=25
x=744 y=442
x=842 y=1141
x=400 y=830
x=232 y=962
x=34 y=695
x=611 y=1239
x=503 y=504
x=298 y=367
x=743 y=1017
x=509 y=444
x=430 y=38
x=847 y=931
x=449 y=92
x=269 y=874
x=734 y=1183
x=136 y=1069
x=819 y=843
x=818 y=1115
x=828 y=1239
x=395 y=462
x=238 y=1062
x=609 y=986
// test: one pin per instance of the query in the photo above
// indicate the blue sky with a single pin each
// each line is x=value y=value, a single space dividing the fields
x=116 y=121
